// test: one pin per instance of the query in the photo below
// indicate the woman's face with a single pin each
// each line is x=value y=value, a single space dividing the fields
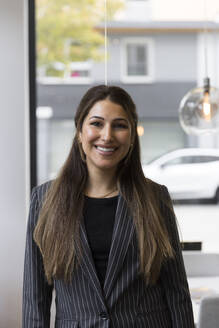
x=105 y=135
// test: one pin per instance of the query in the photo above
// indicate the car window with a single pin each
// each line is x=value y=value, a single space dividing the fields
x=174 y=161
x=179 y=160
x=205 y=159
x=191 y=160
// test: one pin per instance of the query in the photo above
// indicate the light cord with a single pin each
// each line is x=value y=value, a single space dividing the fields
x=205 y=40
x=105 y=43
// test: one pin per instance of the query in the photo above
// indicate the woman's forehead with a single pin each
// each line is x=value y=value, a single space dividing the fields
x=107 y=109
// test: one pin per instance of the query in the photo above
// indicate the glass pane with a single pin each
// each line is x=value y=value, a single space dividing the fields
x=174 y=161
x=54 y=142
x=206 y=159
x=160 y=137
x=70 y=59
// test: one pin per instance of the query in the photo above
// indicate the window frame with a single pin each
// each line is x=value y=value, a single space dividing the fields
x=149 y=42
x=32 y=92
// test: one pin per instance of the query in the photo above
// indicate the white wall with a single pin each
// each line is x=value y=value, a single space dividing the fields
x=14 y=167
x=132 y=9
x=175 y=58
x=185 y=10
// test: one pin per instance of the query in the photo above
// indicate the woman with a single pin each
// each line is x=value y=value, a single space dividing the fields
x=101 y=234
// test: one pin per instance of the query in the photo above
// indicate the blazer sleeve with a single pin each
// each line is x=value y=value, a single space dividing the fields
x=37 y=293
x=173 y=275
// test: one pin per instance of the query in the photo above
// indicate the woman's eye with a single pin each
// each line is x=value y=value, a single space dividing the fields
x=115 y=125
x=96 y=123
x=121 y=126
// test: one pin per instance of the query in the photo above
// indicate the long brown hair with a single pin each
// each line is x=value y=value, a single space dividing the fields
x=57 y=229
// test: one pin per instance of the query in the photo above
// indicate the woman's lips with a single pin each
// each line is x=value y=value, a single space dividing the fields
x=107 y=151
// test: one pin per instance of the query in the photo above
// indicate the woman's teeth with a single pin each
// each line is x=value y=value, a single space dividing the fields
x=105 y=149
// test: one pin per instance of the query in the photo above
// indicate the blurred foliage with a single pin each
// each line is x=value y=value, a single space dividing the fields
x=66 y=31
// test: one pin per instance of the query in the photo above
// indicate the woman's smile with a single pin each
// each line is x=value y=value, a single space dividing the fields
x=106 y=151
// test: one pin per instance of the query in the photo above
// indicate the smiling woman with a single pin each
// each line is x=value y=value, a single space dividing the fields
x=102 y=234
x=105 y=136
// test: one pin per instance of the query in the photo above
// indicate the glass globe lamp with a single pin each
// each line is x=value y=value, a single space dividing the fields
x=199 y=110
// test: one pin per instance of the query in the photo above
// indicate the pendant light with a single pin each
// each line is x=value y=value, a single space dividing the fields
x=199 y=108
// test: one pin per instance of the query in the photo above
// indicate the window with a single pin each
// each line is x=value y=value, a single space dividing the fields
x=79 y=72
x=174 y=161
x=137 y=60
x=205 y=159
x=180 y=160
x=57 y=72
x=76 y=71
x=199 y=159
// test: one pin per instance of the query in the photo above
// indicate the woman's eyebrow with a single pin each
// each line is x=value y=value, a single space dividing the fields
x=99 y=117
x=115 y=119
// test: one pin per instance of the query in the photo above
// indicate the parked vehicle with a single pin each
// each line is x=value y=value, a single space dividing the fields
x=189 y=173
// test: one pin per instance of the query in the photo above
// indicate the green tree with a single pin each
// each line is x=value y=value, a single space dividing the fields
x=66 y=29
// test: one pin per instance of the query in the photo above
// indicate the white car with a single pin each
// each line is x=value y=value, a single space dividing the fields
x=189 y=173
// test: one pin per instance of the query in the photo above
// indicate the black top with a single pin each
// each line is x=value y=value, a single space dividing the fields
x=99 y=216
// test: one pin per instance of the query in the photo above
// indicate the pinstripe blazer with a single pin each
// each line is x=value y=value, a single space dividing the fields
x=125 y=301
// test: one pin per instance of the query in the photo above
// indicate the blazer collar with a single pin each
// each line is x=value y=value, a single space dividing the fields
x=122 y=234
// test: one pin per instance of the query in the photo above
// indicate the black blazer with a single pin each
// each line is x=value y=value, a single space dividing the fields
x=125 y=301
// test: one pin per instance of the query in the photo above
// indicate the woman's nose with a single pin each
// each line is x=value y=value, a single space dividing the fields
x=107 y=133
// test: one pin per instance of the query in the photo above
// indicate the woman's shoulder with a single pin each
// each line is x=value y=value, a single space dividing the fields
x=159 y=191
x=154 y=185
x=42 y=189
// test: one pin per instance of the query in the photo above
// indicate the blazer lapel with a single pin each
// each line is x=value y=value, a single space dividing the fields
x=122 y=234
x=87 y=263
